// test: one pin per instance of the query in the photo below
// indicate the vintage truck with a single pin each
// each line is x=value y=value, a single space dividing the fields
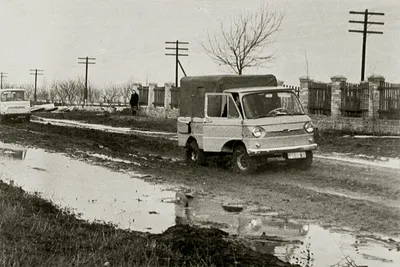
x=14 y=104
x=248 y=117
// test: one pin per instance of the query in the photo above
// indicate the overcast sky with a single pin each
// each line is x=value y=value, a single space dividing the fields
x=127 y=38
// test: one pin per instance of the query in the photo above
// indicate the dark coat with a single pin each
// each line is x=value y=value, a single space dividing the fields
x=134 y=99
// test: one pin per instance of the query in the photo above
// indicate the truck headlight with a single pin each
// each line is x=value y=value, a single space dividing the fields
x=309 y=127
x=257 y=132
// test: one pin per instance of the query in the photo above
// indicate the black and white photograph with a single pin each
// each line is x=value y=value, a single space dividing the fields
x=200 y=133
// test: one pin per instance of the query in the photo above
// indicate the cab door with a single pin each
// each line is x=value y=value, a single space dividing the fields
x=222 y=121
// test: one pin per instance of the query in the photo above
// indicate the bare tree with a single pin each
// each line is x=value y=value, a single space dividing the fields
x=127 y=89
x=241 y=45
x=69 y=91
x=111 y=93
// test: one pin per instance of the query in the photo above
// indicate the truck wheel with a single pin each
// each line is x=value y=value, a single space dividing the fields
x=305 y=163
x=194 y=154
x=242 y=162
x=28 y=118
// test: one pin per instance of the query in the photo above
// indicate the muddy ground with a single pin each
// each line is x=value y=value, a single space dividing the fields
x=327 y=141
x=332 y=193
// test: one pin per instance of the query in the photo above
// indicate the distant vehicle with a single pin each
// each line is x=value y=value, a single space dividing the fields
x=14 y=104
x=246 y=116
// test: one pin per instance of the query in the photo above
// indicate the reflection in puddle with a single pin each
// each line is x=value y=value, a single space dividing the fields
x=99 y=194
x=93 y=191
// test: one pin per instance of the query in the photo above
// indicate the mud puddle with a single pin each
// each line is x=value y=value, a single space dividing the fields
x=96 y=193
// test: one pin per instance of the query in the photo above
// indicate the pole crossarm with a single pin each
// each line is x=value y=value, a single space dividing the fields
x=368 y=22
x=181 y=55
x=369 y=32
x=178 y=52
x=368 y=13
x=365 y=32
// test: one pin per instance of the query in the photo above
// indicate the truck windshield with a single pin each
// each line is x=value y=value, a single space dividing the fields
x=271 y=104
x=12 y=96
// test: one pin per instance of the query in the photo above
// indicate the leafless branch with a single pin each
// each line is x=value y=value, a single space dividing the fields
x=243 y=42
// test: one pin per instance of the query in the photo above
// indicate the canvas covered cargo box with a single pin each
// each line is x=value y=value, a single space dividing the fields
x=193 y=89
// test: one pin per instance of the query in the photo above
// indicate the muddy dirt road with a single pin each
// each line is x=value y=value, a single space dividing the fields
x=357 y=200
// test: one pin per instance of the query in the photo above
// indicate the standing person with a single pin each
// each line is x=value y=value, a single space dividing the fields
x=134 y=102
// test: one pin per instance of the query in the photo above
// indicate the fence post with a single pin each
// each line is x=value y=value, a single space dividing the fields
x=167 y=98
x=303 y=97
x=151 y=95
x=373 y=101
x=336 y=94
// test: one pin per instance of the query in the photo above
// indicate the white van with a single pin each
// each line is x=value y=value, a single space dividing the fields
x=14 y=104
x=246 y=116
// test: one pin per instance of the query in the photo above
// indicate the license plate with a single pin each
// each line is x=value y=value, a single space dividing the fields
x=296 y=155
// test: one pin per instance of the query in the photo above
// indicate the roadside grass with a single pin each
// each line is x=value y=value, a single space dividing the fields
x=34 y=232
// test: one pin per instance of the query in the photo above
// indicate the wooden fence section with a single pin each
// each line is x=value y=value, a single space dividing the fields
x=319 y=98
x=175 y=91
x=159 y=96
x=389 y=101
x=354 y=99
x=143 y=95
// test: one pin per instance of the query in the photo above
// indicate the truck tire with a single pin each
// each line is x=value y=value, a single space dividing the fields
x=27 y=118
x=242 y=162
x=194 y=155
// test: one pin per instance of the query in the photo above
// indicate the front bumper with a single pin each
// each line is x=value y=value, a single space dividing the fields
x=266 y=151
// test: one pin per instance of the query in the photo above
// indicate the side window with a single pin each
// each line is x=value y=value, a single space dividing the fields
x=215 y=105
x=232 y=110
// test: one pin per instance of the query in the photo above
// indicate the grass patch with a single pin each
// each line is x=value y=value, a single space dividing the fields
x=33 y=232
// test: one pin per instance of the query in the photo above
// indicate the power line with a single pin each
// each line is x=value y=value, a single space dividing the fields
x=35 y=72
x=365 y=31
x=2 y=75
x=86 y=62
x=178 y=52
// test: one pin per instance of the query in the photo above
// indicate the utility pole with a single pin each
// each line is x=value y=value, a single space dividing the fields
x=177 y=54
x=35 y=72
x=2 y=75
x=86 y=62
x=365 y=32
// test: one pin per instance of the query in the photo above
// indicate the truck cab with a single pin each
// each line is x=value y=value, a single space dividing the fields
x=14 y=104
x=247 y=117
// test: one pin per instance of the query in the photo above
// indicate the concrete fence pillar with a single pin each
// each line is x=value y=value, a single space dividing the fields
x=167 y=96
x=336 y=94
x=373 y=100
x=151 y=94
x=303 y=96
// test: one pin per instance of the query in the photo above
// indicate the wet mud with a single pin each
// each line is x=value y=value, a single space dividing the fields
x=131 y=200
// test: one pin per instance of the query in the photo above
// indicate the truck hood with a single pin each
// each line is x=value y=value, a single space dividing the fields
x=287 y=119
